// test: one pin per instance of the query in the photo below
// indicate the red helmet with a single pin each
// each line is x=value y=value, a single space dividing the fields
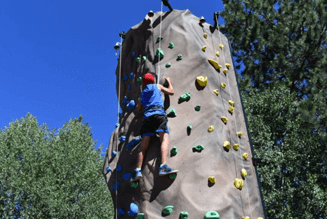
x=148 y=79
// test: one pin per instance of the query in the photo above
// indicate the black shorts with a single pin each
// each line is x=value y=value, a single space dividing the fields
x=154 y=124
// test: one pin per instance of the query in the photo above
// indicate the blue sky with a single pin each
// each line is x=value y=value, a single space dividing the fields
x=57 y=59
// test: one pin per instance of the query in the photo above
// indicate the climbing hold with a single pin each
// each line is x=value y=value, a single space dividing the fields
x=205 y=35
x=211 y=215
x=159 y=39
x=134 y=184
x=113 y=154
x=231 y=109
x=179 y=57
x=227 y=145
x=202 y=20
x=119 y=168
x=183 y=215
x=122 y=138
x=202 y=81
x=185 y=96
x=131 y=75
x=138 y=59
x=144 y=58
x=224 y=119
x=127 y=176
x=117 y=125
x=173 y=151
x=214 y=64
x=159 y=53
x=246 y=217
x=140 y=216
x=125 y=78
x=245 y=156
x=108 y=169
x=198 y=147
x=212 y=179
x=133 y=210
x=227 y=65
x=168 y=65
x=171 y=45
x=211 y=128
x=223 y=85
x=225 y=71
x=189 y=127
x=204 y=48
x=218 y=53
x=139 y=79
x=221 y=46
x=125 y=100
x=244 y=173
x=197 y=107
x=235 y=146
x=133 y=143
x=172 y=113
x=129 y=87
x=216 y=92
x=168 y=209
x=172 y=176
x=131 y=105
x=150 y=13
x=133 y=54
x=238 y=183
x=231 y=103
x=239 y=134
x=115 y=187
x=259 y=218
x=121 y=212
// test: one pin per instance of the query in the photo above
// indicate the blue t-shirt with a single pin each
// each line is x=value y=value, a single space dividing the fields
x=150 y=97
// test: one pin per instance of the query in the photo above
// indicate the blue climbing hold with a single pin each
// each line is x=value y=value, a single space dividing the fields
x=133 y=143
x=125 y=78
x=125 y=100
x=133 y=210
x=116 y=186
x=121 y=212
x=131 y=105
x=122 y=138
x=120 y=114
x=127 y=176
x=117 y=125
x=133 y=54
x=113 y=154
x=129 y=87
x=131 y=75
x=119 y=168
x=108 y=169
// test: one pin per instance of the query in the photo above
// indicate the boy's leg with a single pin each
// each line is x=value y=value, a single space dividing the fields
x=164 y=139
x=141 y=154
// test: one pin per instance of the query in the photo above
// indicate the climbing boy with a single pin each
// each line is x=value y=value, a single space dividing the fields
x=154 y=121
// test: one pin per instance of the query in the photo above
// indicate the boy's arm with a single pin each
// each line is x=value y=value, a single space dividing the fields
x=169 y=90
x=139 y=106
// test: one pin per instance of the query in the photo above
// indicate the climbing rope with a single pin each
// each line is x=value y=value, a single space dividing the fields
x=158 y=78
x=235 y=125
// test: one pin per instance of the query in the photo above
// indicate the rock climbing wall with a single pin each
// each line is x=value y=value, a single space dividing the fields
x=207 y=127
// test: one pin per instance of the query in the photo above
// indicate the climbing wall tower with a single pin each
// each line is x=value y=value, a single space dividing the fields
x=209 y=142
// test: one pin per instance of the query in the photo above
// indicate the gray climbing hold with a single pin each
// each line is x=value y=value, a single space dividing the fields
x=172 y=112
x=179 y=57
x=171 y=45
x=173 y=151
x=168 y=65
x=159 y=53
x=197 y=107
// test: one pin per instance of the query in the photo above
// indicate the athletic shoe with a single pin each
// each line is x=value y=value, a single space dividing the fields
x=137 y=175
x=165 y=170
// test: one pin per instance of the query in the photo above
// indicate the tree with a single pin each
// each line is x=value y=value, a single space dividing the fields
x=48 y=175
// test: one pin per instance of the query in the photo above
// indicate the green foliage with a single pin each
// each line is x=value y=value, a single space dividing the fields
x=50 y=175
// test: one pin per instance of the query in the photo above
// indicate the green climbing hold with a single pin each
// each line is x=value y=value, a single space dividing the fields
x=139 y=79
x=179 y=57
x=197 y=107
x=198 y=147
x=134 y=184
x=211 y=215
x=168 y=65
x=184 y=215
x=168 y=209
x=172 y=176
x=140 y=216
x=172 y=113
x=160 y=53
x=165 y=84
x=144 y=58
x=171 y=45
x=138 y=59
x=189 y=127
x=173 y=151
x=186 y=96
x=159 y=39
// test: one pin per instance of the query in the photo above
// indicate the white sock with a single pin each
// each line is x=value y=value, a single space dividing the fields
x=138 y=169
x=162 y=165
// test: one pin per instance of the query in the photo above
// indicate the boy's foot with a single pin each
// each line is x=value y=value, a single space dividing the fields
x=165 y=170
x=137 y=175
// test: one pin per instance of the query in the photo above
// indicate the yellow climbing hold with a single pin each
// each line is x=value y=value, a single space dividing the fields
x=227 y=65
x=225 y=70
x=246 y=217
x=244 y=173
x=216 y=92
x=211 y=128
x=227 y=145
x=223 y=85
x=204 y=48
x=231 y=103
x=235 y=146
x=221 y=46
x=218 y=53
x=205 y=35
x=215 y=64
x=238 y=183
x=212 y=179
x=231 y=109
x=224 y=119
x=202 y=81
x=245 y=156
x=239 y=134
